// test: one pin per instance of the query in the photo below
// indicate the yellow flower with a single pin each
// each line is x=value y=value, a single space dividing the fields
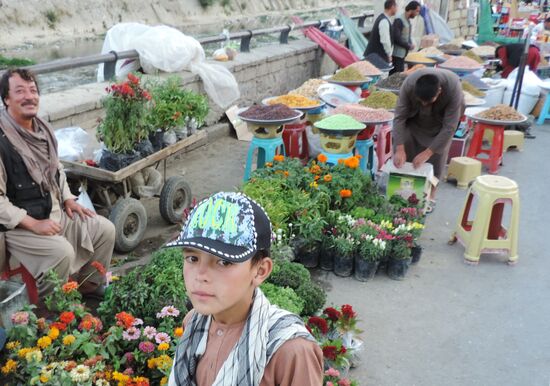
x=164 y=362
x=53 y=333
x=115 y=277
x=164 y=381
x=44 y=342
x=13 y=345
x=151 y=363
x=68 y=340
x=120 y=377
x=9 y=367
x=34 y=356
x=178 y=331
x=279 y=158
x=314 y=185
x=22 y=353
x=44 y=378
x=163 y=346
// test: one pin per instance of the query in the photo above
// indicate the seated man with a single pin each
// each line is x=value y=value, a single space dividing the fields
x=510 y=55
x=45 y=228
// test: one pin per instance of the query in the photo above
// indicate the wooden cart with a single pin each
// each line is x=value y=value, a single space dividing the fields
x=115 y=192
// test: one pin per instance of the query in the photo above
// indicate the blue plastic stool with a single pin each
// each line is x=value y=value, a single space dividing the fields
x=545 y=111
x=267 y=149
x=333 y=158
x=365 y=148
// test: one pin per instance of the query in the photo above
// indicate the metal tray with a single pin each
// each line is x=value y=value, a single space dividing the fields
x=265 y=101
x=268 y=122
x=498 y=123
x=460 y=70
x=349 y=82
x=336 y=95
x=476 y=102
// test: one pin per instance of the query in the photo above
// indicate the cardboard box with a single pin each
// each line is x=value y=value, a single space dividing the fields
x=407 y=180
x=241 y=129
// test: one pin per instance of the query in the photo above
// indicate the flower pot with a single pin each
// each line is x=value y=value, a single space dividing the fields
x=416 y=254
x=309 y=255
x=144 y=148
x=365 y=269
x=326 y=259
x=397 y=268
x=343 y=265
x=157 y=139
x=116 y=161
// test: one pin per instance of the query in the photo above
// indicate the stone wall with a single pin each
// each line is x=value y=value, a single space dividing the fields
x=266 y=71
x=458 y=18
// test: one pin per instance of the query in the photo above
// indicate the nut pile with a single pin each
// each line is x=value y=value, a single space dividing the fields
x=366 y=68
x=309 y=88
x=501 y=113
x=417 y=57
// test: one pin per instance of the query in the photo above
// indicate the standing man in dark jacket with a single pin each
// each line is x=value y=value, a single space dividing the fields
x=380 y=41
x=401 y=34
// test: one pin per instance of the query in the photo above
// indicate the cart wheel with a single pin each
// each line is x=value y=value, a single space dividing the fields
x=174 y=198
x=130 y=219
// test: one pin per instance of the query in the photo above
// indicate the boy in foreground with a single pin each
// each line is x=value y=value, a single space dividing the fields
x=234 y=336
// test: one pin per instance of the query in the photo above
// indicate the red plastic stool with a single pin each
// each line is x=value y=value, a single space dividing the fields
x=383 y=145
x=295 y=140
x=28 y=279
x=493 y=155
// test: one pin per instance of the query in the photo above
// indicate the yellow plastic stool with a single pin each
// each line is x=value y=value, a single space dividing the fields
x=464 y=170
x=513 y=138
x=484 y=233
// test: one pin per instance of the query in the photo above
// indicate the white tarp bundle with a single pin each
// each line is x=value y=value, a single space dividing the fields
x=169 y=50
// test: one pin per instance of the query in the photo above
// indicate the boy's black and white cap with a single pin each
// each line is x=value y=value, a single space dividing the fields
x=229 y=225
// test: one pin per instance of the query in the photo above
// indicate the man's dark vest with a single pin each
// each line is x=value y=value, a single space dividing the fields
x=21 y=189
x=374 y=45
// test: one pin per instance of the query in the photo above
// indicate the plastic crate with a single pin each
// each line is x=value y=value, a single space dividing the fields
x=13 y=297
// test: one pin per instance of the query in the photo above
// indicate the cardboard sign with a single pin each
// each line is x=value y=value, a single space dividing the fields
x=407 y=180
x=243 y=134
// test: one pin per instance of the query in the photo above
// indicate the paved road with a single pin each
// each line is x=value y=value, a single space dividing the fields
x=448 y=323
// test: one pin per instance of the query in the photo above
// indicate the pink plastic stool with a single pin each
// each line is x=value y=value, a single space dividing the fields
x=295 y=140
x=383 y=145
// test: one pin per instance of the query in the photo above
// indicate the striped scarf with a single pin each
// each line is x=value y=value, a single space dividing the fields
x=266 y=329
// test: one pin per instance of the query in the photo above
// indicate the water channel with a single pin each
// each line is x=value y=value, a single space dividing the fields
x=62 y=80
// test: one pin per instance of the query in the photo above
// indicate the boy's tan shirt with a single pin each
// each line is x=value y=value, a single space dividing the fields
x=298 y=362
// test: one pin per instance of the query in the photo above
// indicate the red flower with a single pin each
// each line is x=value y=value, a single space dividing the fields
x=90 y=322
x=100 y=268
x=133 y=79
x=319 y=323
x=413 y=200
x=69 y=286
x=342 y=350
x=332 y=313
x=146 y=95
x=124 y=319
x=348 y=312
x=66 y=317
x=59 y=325
x=330 y=352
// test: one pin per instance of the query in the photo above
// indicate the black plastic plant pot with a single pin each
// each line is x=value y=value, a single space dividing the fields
x=309 y=255
x=397 y=268
x=116 y=161
x=365 y=269
x=416 y=254
x=326 y=259
x=157 y=139
x=343 y=265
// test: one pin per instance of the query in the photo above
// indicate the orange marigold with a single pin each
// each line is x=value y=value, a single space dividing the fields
x=316 y=178
x=315 y=169
x=352 y=162
x=124 y=319
x=279 y=158
x=100 y=268
x=341 y=161
x=268 y=164
x=286 y=173
x=69 y=286
x=327 y=178
x=178 y=332
x=322 y=158
x=345 y=193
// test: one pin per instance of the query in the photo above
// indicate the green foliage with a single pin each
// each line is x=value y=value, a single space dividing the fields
x=145 y=291
x=344 y=245
x=206 y=3
x=399 y=249
x=52 y=18
x=288 y=274
x=314 y=298
x=173 y=105
x=284 y=297
x=6 y=62
x=362 y=212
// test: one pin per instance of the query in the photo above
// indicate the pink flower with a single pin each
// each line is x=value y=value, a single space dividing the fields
x=329 y=383
x=162 y=337
x=146 y=347
x=137 y=322
x=150 y=332
x=131 y=334
x=332 y=372
x=129 y=357
x=168 y=311
x=20 y=317
x=344 y=382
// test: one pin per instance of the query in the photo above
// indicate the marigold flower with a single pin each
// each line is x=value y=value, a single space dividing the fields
x=316 y=178
x=352 y=162
x=68 y=340
x=163 y=381
x=322 y=158
x=22 y=353
x=286 y=173
x=67 y=317
x=44 y=378
x=315 y=169
x=163 y=346
x=345 y=193
x=59 y=325
x=341 y=161
x=124 y=319
x=69 y=287
x=279 y=158
x=178 y=331
x=268 y=164
x=120 y=377
x=100 y=268
x=44 y=342
x=9 y=367
x=327 y=178
x=53 y=333
x=13 y=345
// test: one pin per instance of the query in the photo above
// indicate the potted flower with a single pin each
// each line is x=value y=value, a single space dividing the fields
x=124 y=126
x=399 y=256
x=310 y=229
x=369 y=252
x=336 y=224
x=344 y=249
x=332 y=377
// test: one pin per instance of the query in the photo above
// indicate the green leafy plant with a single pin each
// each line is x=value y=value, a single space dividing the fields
x=125 y=112
x=6 y=62
x=284 y=297
x=344 y=245
x=144 y=291
x=314 y=297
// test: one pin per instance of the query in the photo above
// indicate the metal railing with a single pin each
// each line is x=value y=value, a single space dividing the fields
x=109 y=59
